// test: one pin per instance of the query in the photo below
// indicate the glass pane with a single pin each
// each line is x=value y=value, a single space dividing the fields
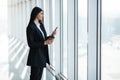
x=64 y=29
x=53 y=25
x=110 y=55
x=82 y=39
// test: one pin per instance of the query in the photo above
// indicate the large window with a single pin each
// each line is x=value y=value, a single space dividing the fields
x=82 y=39
x=64 y=38
x=53 y=25
x=110 y=46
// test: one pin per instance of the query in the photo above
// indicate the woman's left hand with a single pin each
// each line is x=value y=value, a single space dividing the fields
x=54 y=33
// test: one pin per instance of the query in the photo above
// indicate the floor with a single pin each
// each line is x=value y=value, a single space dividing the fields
x=3 y=57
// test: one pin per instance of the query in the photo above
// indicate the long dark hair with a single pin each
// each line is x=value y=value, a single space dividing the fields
x=34 y=13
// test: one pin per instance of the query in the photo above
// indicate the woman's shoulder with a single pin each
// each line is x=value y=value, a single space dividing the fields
x=31 y=25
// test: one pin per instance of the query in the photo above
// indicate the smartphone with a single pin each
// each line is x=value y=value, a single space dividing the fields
x=56 y=28
x=52 y=35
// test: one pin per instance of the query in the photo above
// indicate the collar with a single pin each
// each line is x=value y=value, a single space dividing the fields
x=37 y=23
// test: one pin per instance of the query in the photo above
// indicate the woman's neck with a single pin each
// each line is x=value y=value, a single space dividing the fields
x=36 y=20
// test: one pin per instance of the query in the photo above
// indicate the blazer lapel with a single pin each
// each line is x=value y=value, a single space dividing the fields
x=43 y=29
x=38 y=31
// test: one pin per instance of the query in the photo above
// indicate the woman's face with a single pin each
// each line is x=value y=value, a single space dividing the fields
x=40 y=16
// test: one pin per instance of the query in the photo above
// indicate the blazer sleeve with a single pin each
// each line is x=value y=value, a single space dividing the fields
x=30 y=39
x=50 y=36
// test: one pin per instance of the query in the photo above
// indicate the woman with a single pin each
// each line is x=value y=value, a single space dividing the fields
x=38 y=42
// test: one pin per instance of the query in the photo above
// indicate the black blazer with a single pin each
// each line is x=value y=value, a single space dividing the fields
x=38 y=54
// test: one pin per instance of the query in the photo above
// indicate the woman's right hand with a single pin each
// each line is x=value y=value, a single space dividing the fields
x=48 y=41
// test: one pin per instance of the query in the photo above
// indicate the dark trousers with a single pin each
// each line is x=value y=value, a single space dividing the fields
x=36 y=73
